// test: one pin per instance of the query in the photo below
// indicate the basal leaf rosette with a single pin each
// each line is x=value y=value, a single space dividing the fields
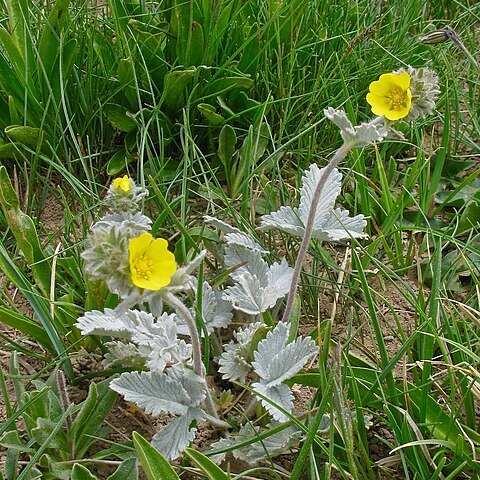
x=390 y=96
x=151 y=264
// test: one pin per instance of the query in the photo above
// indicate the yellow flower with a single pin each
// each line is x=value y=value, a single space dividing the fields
x=122 y=183
x=391 y=96
x=151 y=264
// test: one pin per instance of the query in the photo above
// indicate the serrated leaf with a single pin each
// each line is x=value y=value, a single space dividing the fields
x=107 y=323
x=246 y=260
x=361 y=135
x=271 y=445
x=234 y=364
x=157 y=392
x=124 y=355
x=277 y=361
x=221 y=225
x=280 y=395
x=216 y=312
x=172 y=440
x=329 y=223
x=153 y=464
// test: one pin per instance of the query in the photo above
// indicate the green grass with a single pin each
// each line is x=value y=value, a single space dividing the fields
x=289 y=60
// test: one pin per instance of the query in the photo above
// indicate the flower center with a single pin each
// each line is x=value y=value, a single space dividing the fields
x=397 y=98
x=143 y=267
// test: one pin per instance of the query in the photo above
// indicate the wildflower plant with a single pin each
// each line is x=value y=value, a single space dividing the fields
x=154 y=327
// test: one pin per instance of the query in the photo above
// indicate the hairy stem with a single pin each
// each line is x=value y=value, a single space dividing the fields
x=340 y=154
x=184 y=312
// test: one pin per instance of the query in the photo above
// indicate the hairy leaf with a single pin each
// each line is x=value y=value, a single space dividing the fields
x=177 y=435
x=124 y=355
x=280 y=395
x=157 y=392
x=216 y=312
x=361 y=135
x=233 y=362
x=329 y=223
x=275 y=361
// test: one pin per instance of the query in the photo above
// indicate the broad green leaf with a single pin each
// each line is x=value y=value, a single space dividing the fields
x=118 y=116
x=25 y=233
x=10 y=150
x=209 y=112
x=126 y=76
x=175 y=84
x=183 y=14
x=65 y=60
x=225 y=84
x=89 y=419
x=127 y=470
x=153 y=464
x=79 y=472
x=118 y=162
x=30 y=136
x=197 y=40
x=12 y=51
x=212 y=471
x=25 y=325
x=48 y=44
x=226 y=146
x=43 y=434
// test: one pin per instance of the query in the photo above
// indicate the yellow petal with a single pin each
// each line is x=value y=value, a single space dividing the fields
x=379 y=104
x=122 y=183
x=403 y=80
x=139 y=245
x=382 y=87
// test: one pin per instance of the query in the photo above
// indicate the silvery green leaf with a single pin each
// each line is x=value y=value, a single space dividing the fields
x=274 y=445
x=248 y=295
x=193 y=384
x=124 y=355
x=331 y=190
x=157 y=392
x=132 y=224
x=216 y=312
x=279 y=395
x=339 y=224
x=358 y=136
x=246 y=261
x=172 y=440
x=329 y=223
x=257 y=286
x=233 y=362
x=233 y=365
x=106 y=323
x=280 y=277
x=159 y=355
x=271 y=446
x=221 y=225
x=244 y=240
x=277 y=361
